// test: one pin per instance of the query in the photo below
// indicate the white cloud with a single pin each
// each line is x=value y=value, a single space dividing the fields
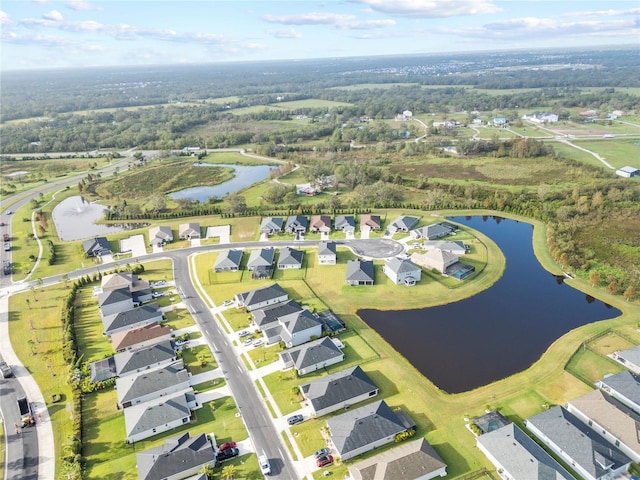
x=4 y=19
x=284 y=33
x=40 y=2
x=81 y=5
x=341 y=21
x=431 y=8
x=367 y=24
x=604 y=13
x=53 y=15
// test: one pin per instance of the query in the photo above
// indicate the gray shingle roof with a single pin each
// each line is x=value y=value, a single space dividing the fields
x=261 y=258
x=96 y=246
x=160 y=233
x=338 y=388
x=296 y=223
x=400 y=265
x=135 y=386
x=114 y=296
x=132 y=360
x=267 y=315
x=228 y=259
x=345 y=222
x=271 y=224
x=360 y=271
x=299 y=321
x=520 y=456
x=364 y=426
x=260 y=295
x=625 y=383
x=146 y=313
x=586 y=447
x=404 y=223
x=146 y=416
x=312 y=353
x=178 y=454
x=290 y=256
x=431 y=232
x=631 y=355
x=326 y=248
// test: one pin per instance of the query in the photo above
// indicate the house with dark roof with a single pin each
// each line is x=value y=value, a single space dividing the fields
x=102 y=370
x=624 y=387
x=157 y=416
x=262 y=258
x=312 y=356
x=515 y=455
x=415 y=460
x=338 y=391
x=294 y=329
x=290 y=258
x=365 y=428
x=135 y=317
x=146 y=386
x=320 y=223
x=327 y=253
x=403 y=223
x=360 y=272
x=96 y=247
x=402 y=271
x=576 y=444
x=114 y=301
x=140 y=337
x=160 y=235
x=271 y=225
x=136 y=361
x=346 y=223
x=189 y=231
x=618 y=423
x=296 y=224
x=431 y=232
x=267 y=317
x=261 y=297
x=178 y=458
x=630 y=358
x=370 y=222
x=228 y=261
x=140 y=290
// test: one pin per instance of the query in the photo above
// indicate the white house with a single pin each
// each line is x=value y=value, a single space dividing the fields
x=312 y=356
x=628 y=172
x=402 y=271
x=188 y=231
x=261 y=297
x=147 y=386
x=546 y=117
x=160 y=415
x=327 y=253
x=178 y=458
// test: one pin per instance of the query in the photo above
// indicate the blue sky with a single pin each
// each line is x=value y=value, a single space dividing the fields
x=75 y=33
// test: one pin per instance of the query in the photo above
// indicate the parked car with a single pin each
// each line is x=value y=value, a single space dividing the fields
x=324 y=461
x=5 y=370
x=247 y=342
x=6 y=237
x=226 y=446
x=293 y=419
x=7 y=246
x=180 y=343
x=9 y=212
x=257 y=342
x=227 y=454
x=244 y=333
x=322 y=452
x=226 y=303
x=1 y=224
x=265 y=466
x=159 y=283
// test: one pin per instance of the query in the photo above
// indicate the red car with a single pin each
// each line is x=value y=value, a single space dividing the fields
x=227 y=446
x=324 y=461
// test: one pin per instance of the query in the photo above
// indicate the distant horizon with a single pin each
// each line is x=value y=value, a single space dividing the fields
x=67 y=34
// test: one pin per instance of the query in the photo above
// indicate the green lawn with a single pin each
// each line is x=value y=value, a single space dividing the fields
x=88 y=327
x=588 y=365
x=198 y=359
x=178 y=318
x=263 y=355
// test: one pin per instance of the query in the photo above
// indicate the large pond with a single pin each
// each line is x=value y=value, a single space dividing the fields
x=244 y=176
x=75 y=219
x=498 y=332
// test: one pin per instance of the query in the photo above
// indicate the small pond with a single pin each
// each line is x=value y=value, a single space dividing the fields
x=498 y=332
x=74 y=218
x=244 y=176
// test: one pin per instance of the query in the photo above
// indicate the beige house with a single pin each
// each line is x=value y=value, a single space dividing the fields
x=435 y=259
x=188 y=231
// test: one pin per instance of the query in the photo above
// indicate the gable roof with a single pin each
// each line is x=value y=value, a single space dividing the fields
x=290 y=256
x=404 y=222
x=116 y=280
x=337 y=388
x=320 y=221
x=133 y=336
x=228 y=259
x=326 y=248
x=96 y=246
x=148 y=415
x=116 y=295
x=402 y=265
x=520 y=456
x=178 y=454
x=264 y=316
x=130 y=317
x=312 y=353
x=364 y=426
x=161 y=232
x=270 y=224
x=135 y=386
x=346 y=222
x=299 y=321
x=631 y=355
x=131 y=361
x=261 y=258
x=189 y=229
x=582 y=444
x=372 y=221
x=436 y=230
x=360 y=271
x=435 y=255
x=445 y=245
x=295 y=223
x=408 y=461
x=260 y=295
x=625 y=383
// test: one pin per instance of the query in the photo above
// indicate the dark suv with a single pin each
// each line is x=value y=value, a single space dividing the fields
x=293 y=419
x=227 y=454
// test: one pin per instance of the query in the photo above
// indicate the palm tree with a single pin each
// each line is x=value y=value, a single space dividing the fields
x=228 y=472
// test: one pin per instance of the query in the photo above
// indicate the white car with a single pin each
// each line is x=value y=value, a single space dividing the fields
x=226 y=303
x=248 y=342
x=257 y=342
x=244 y=333
x=265 y=466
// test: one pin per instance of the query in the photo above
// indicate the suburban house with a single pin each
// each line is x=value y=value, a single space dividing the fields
x=500 y=122
x=338 y=391
x=360 y=272
x=517 y=457
x=618 y=423
x=146 y=386
x=312 y=356
x=290 y=258
x=431 y=232
x=403 y=223
x=630 y=358
x=457 y=248
x=160 y=235
x=320 y=223
x=140 y=337
x=271 y=225
x=114 y=301
x=294 y=329
x=261 y=297
x=370 y=222
x=136 y=361
x=296 y=224
x=96 y=247
x=576 y=444
x=139 y=288
x=628 y=172
x=401 y=271
x=365 y=428
x=189 y=231
x=415 y=460
x=327 y=253
x=151 y=418
x=179 y=457
x=228 y=261
x=623 y=386
x=135 y=317
x=267 y=317
x=435 y=259
x=546 y=117
x=261 y=262
x=346 y=223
